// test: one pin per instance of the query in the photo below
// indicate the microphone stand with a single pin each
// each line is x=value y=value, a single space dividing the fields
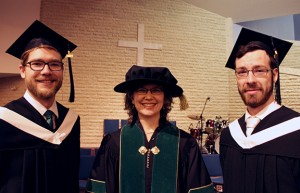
x=216 y=125
x=201 y=122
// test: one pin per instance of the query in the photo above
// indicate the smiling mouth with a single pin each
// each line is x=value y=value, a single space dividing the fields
x=148 y=105
x=251 y=91
x=45 y=80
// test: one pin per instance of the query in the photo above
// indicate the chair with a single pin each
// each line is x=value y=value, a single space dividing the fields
x=85 y=151
x=94 y=151
x=173 y=123
x=213 y=165
x=123 y=122
x=110 y=125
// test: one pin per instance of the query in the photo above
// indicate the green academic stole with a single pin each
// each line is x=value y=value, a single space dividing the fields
x=132 y=160
x=95 y=186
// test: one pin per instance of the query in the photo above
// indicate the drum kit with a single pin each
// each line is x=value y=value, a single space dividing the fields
x=213 y=129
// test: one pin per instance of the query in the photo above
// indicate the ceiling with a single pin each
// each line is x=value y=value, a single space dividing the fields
x=14 y=18
x=249 y=10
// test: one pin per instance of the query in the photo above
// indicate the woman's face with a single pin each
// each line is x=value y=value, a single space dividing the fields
x=148 y=101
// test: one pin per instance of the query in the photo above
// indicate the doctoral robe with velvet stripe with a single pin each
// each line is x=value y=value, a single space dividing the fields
x=192 y=172
x=29 y=164
x=270 y=167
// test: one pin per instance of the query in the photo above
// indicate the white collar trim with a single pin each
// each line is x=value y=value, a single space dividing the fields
x=36 y=130
x=263 y=136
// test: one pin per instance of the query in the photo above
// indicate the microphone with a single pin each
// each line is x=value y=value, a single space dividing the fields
x=207 y=99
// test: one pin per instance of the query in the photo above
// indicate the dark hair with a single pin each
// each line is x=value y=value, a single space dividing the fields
x=133 y=114
x=257 y=45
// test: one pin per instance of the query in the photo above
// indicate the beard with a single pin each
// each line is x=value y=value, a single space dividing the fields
x=44 y=93
x=254 y=101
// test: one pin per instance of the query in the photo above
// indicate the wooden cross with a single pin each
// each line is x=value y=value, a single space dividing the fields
x=140 y=45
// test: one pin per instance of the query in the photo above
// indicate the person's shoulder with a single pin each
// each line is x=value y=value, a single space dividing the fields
x=187 y=139
x=64 y=109
x=184 y=134
x=61 y=106
x=111 y=141
x=287 y=110
x=113 y=137
x=16 y=104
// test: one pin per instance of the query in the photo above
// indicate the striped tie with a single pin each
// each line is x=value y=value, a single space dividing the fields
x=49 y=118
x=251 y=123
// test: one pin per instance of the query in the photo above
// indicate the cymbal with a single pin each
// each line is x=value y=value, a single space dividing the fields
x=195 y=117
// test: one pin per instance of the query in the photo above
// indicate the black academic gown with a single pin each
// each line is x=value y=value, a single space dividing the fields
x=31 y=165
x=272 y=167
x=192 y=172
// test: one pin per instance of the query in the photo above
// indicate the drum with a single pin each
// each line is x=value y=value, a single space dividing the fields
x=225 y=123
x=210 y=123
x=215 y=126
x=219 y=125
x=210 y=143
x=195 y=133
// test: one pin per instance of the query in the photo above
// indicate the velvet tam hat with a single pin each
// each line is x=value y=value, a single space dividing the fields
x=138 y=75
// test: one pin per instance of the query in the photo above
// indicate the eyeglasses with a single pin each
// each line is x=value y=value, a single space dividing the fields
x=257 y=72
x=154 y=91
x=40 y=65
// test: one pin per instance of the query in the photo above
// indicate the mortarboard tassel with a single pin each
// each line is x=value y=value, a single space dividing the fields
x=72 y=91
x=277 y=84
x=277 y=89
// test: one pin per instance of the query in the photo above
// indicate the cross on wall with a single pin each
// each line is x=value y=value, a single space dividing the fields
x=140 y=44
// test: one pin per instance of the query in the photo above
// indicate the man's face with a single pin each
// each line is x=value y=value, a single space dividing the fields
x=256 y=92
x=42 y=85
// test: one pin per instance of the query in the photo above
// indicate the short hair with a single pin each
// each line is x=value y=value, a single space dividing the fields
x=257 y=45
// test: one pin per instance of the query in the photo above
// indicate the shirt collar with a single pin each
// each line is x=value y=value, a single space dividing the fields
x=38 y=106
x=264 y=112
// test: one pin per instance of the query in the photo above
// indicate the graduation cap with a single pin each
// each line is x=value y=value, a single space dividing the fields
x=276 y=47
x=38 y=34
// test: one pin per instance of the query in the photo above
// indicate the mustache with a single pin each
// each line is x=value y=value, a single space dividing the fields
x=251 y=87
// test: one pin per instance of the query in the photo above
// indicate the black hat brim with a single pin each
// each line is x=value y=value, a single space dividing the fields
x=247 y=35
x=126 y=86
x=39 y=30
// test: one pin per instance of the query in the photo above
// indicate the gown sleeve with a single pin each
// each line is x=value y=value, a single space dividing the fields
x=104 y=174
x=193 y=176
